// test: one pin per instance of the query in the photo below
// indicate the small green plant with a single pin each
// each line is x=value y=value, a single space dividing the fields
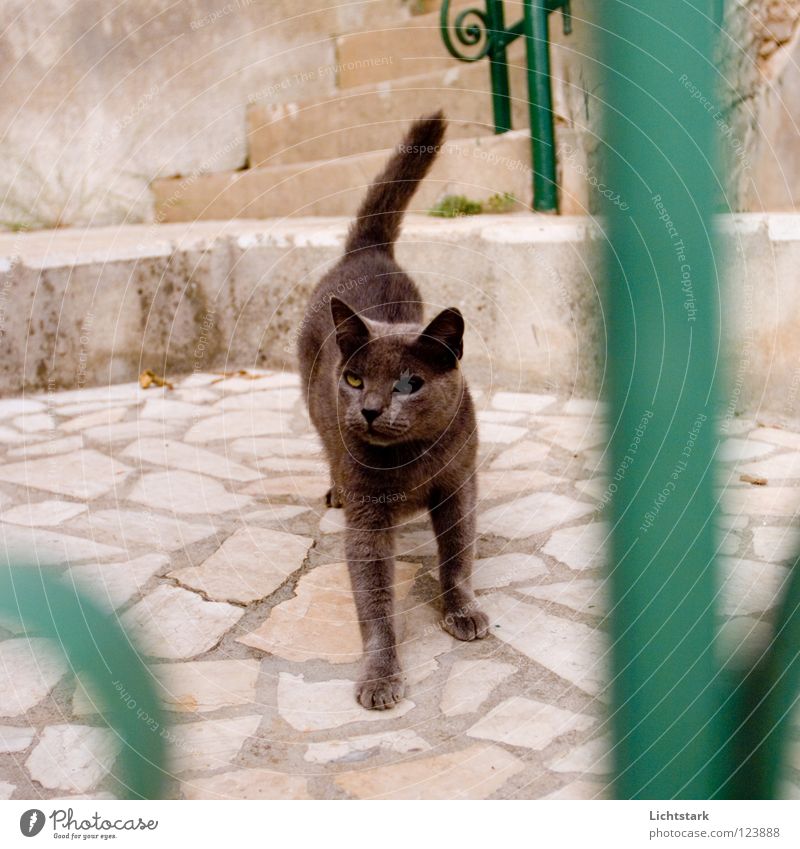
x=454 y=206
x=498 y=204
x=40 y=197
x=14 y=226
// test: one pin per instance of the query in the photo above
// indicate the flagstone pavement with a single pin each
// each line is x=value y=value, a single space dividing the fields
x=196 y=515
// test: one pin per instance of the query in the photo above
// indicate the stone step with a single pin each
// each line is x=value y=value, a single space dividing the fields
x=323 y=19
x=370 y=118
x=110 y=302
x=373 y=117
x=317 y=70
x=478 y=168
x=415 y=46
x=399 y=49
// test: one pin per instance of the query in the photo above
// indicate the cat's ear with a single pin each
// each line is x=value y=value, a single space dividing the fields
x=351 y=331
x=443 y=338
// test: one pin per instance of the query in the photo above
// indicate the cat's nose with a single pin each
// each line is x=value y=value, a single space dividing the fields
x=370 y=415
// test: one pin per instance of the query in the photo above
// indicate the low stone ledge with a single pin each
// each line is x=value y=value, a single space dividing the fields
x=82 y=307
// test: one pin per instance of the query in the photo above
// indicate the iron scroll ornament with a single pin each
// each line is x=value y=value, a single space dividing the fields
x=486 y=29
x=468 y=34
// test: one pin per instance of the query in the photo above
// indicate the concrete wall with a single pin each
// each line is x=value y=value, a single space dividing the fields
x=757 y=106
x=81 y=307
x=99 y=305
x=96 y=99
x=773 y=156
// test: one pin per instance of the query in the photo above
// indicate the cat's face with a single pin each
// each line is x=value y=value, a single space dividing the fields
x=397 y=382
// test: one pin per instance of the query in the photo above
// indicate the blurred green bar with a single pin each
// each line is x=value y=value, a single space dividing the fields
x=664 y=361
x=96 y=648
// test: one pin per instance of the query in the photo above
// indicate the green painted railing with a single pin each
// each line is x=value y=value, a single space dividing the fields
x=486 y=30
x=97 y=648
x=682 y=727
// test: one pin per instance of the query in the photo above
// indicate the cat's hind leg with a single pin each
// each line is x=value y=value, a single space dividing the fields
x=453 y=517
x=333 y=497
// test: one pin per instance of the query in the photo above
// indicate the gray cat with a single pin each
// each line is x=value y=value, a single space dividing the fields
x=389 y=401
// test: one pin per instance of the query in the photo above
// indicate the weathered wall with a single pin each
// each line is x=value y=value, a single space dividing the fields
x=760 y=104
x=96 y=99
x=82 y=307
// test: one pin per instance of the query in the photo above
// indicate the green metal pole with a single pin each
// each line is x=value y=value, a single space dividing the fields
x=471 y=25
x=540 y=105
x=498 y=65
x=663 y=345
x=96 y=646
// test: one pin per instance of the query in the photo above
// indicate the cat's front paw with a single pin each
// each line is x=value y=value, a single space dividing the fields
x=467 y=624
x=380 y=693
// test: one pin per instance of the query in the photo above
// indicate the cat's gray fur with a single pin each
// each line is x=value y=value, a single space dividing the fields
x=392 y=451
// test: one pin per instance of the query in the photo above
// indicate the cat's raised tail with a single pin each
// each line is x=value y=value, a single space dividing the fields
x=377 y=224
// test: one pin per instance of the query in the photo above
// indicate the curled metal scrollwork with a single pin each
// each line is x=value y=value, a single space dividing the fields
x=467 y=33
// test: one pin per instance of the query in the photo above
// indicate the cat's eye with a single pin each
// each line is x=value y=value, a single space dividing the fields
x=353 y=380
x=408 y=384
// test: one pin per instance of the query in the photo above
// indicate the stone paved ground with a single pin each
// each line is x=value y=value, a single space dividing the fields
x=196 y=514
